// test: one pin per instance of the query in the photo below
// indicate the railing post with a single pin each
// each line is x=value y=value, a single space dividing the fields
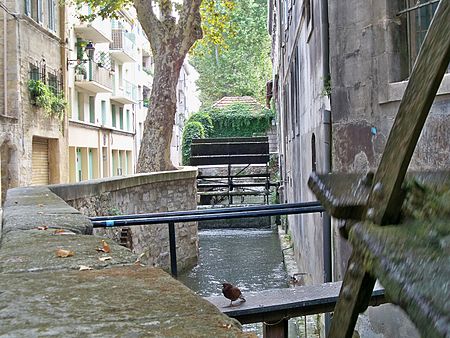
x=173 y=250
x=276 y=330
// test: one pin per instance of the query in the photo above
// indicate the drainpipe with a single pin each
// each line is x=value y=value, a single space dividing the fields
x=326 y=220
x=5 y=66
x=64 y=147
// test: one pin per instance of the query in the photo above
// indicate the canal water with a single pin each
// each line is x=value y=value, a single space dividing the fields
x=248 y=258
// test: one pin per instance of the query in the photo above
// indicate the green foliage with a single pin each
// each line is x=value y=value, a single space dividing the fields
x=326 y=90
x=240 y=66
x=192 y=129
x=205 y=119
x=239 y=120
x=42 y=96
x=216 y=23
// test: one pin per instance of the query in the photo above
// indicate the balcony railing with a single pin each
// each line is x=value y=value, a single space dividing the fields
x=126 y=93
x=123 y=46
x=94 y=78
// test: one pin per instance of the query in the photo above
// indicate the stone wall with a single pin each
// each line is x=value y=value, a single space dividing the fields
x=87 y=293
x=142 y=193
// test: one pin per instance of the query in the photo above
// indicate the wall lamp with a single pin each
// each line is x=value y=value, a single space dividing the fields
x=89 y=49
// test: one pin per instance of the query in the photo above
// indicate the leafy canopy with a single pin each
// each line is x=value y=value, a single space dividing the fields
x=240 y=65
x=216 y=23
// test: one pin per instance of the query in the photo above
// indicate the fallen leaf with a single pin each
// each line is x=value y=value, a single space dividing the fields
x=41 y=205
x=106 y=247
x=63 y=232
x=84 y=268
x=64 y=253
x=40 y=213
x=103 y=259
x=44 y=227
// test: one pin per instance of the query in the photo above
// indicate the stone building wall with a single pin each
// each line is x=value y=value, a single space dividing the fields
x=369 y=72
x=142 y=193
x=23 y=42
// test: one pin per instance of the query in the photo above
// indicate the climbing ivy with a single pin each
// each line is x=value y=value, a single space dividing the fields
x=237 y=120
x=205 y=119
x=192 y=129
x=42 y=95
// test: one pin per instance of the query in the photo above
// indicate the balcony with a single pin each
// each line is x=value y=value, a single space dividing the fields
x=96 y=31
x=125 y=94
x=93 y=78
x=123 y=48
x=146 y=50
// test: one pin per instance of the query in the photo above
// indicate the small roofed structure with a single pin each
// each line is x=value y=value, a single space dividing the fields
x=227 y=101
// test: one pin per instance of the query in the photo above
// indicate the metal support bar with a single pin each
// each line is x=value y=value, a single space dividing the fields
x=173 y=250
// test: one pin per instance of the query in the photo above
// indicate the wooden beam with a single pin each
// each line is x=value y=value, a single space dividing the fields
x=273 y=305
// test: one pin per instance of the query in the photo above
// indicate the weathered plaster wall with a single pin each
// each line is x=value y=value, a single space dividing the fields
x=367 y=68
x=23 y=41
x=142 y=193
x=301 y=105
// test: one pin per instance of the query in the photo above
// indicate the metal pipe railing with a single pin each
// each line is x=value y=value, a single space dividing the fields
x=171 y=218
x=208 y=211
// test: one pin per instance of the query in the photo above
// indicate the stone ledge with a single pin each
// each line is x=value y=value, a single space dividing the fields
x=34 y=250
x=84 y=189
x=29 y=208
x=124 y=301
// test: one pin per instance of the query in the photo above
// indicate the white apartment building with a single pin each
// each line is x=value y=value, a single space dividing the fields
x=109 y=79
x=187 y=104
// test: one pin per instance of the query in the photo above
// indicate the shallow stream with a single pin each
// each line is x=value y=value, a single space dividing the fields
x=248 y=258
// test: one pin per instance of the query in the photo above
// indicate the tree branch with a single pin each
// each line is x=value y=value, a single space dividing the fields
x=165 y=6
x=189 y=25
x=149 y=21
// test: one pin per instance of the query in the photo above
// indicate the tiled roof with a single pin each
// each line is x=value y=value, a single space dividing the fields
x=247 y=100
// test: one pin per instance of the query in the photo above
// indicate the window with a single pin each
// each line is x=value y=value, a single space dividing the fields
x=103 y=104
x=113 y=116
x=418 y=16
x=52 y=81
x=34 y=72
x=51 y=15
x=128 y=120
x=80 y=100
x=33 y=8
x=121 y=118
x=92 y=109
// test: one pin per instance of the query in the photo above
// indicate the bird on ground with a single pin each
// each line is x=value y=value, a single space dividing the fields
x=232 y=293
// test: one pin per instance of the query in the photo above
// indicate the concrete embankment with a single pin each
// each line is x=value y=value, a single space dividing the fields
x=90 y=292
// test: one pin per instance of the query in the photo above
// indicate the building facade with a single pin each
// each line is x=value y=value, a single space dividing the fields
x=33 y=140
x=103 y=92
x=340 y=70
x=109 y=96
x=187 y=104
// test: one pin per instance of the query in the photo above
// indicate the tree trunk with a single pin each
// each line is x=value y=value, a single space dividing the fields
x=154 y=154
x=170 y=42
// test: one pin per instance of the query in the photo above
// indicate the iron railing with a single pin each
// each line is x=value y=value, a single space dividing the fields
x=171 y=218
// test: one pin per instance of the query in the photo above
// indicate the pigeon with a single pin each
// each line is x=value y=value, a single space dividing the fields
x=232 y=293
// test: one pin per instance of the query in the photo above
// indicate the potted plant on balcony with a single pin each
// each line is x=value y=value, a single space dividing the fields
x=80 y=72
